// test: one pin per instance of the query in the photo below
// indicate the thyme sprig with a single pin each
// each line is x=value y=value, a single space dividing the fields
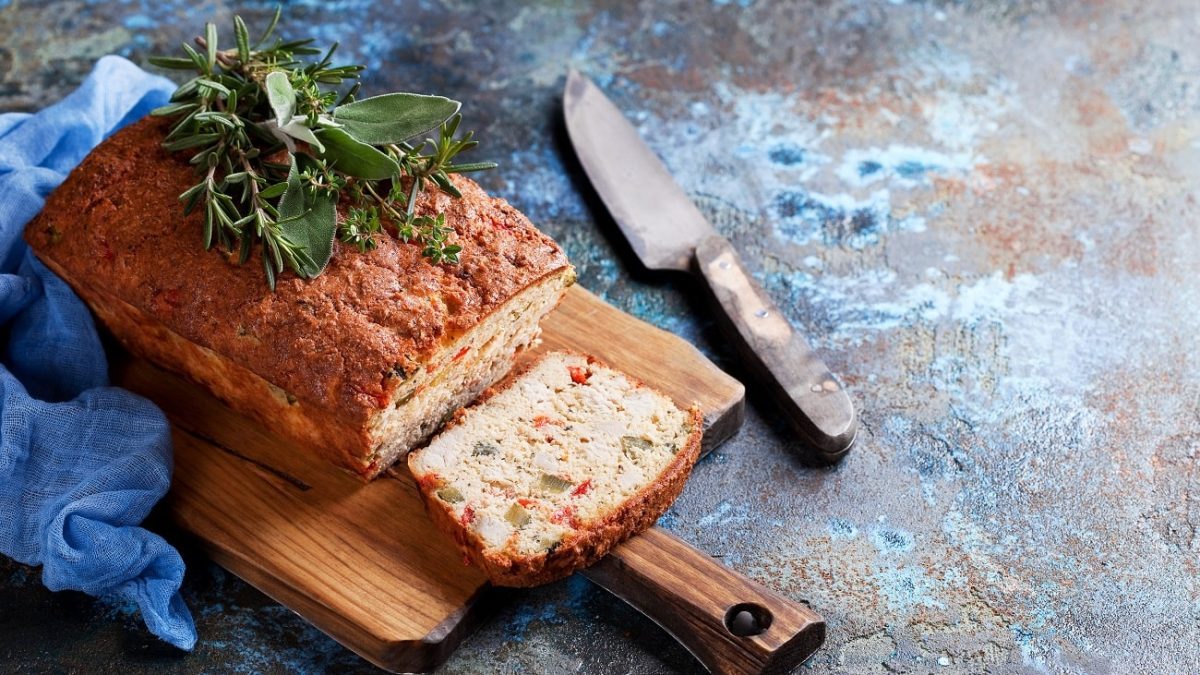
x=276 y=147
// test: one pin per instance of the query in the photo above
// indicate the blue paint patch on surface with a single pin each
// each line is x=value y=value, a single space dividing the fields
x=1024 y=639
x=211 y=610
x=908 y=587
x=530 y=613
x=841 y=221
x=669 y=520
x=842 y=529
x=799 y=205
x=868 y=168
x=892 y=541
x=720 y=515
x=335 y=5
x=912 y=170
x=904 y=165
x=787 y=155
x=137 y=21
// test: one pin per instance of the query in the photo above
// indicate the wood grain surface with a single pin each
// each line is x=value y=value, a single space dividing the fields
x=360 y=561
x=698 y=601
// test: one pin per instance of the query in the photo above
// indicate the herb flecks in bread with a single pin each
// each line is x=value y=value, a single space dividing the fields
x=276 y=147
x=546 y=474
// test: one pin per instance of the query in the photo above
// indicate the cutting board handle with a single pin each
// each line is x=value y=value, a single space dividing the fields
x=731 y=624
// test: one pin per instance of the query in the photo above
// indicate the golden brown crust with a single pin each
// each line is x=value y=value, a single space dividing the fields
x=590 y=543
x=335 y=439
x=341 y=344
x=116 y=222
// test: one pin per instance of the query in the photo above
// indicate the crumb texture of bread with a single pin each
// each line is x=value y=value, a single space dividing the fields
x=358 y=364
x=547 y=473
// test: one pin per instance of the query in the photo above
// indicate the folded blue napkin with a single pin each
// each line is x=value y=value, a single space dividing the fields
x=81 y=463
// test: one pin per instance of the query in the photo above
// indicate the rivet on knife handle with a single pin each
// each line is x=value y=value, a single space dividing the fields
x=809 y=395
x=730 y=623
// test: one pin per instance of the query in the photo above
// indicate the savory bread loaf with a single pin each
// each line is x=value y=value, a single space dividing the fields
x=360 y=363
x=545 y=474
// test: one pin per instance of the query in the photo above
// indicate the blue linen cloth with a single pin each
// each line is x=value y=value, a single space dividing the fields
x=81 y=463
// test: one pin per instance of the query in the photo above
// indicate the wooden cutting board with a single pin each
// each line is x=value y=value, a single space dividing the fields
x=360 y=561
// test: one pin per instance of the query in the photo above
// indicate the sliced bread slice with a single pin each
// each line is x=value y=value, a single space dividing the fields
x=545 y=474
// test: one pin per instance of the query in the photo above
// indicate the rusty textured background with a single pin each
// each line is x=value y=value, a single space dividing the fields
x=983 y=213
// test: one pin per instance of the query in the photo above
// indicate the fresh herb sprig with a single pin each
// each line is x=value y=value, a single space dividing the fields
x=276 y=147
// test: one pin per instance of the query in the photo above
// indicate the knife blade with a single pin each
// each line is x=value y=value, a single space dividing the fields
x=661 y=223
x=668 y=232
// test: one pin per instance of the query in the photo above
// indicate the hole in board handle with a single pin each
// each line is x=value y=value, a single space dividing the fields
x=747 y=619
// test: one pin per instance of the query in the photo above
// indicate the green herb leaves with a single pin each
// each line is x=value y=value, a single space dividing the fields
x=308 y=219
x=361 y=228
x=249 y=105
x=354 y=158
x=281 y=96
x=394 y=118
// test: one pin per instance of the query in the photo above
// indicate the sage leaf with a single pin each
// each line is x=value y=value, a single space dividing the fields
x=293 y=204
x=355 y=158
x=308 y=220
x=298 y=130
x=394 y=118
x=281 y=96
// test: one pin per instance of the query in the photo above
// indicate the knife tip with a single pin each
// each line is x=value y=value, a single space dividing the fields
x=576 y=83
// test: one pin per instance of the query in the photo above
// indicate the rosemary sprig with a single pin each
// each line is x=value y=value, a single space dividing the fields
x=276 y=147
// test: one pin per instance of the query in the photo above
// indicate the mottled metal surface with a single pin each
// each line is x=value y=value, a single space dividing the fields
x=984 y=215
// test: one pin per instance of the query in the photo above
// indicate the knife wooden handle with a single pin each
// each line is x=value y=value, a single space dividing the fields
x=733 y=625
x=809 y=395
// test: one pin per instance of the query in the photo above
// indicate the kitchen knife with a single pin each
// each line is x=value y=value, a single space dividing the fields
x=668 y=232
